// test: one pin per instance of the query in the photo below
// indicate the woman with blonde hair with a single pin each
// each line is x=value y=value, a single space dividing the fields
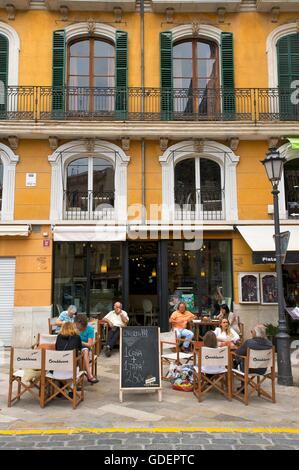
x=68 y=338
x=226 y=336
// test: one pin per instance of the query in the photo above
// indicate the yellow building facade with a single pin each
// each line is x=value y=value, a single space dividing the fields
x=127 y=135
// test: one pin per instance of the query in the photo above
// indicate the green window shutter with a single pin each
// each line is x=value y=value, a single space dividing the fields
x=166 y=64
x=3 y=75
x=228 y=80
x=288 y=72
x=58 y=74
x=121 y=97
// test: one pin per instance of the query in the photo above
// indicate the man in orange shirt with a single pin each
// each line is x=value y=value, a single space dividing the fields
x=179 y=320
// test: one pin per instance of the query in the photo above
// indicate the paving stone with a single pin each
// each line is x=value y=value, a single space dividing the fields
x=217 y=447
x=189 y=447
x=248 y=447
x=50 y=444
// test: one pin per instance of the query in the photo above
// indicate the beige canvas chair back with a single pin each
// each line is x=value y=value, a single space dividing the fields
x=169 y=337
x=59 y=360
x=260 y=359
x=47 y=339
x=27 y=359
x=214 y=357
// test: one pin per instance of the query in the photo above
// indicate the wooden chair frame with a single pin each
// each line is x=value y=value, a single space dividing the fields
x=177 y=356
x=203 y=384
x=50 y=388
x=33 y=387
x=251 y=383
x=51 y=325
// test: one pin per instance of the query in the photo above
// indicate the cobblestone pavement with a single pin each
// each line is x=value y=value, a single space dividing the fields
x=153 y=441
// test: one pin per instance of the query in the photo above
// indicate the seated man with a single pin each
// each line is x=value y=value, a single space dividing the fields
x=65 y=317
x=87 y=339
x=116 y=319
x=179 y=320
x=258 y=342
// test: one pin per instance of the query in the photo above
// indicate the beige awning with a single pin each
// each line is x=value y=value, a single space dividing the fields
x=260 y=237
x=15 y=230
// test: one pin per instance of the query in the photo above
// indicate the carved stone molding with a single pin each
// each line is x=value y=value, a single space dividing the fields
x=273 y=142
x=199 y=145
x=125 y=143
x=64 y=11
x=90 y=145
x=11 y=12
x=221 y=15
x=163 y=143
x=53 y=142
x=275 y=12
x=13 y=141
x=118 y=14
x=169 y=15
x=234 y=143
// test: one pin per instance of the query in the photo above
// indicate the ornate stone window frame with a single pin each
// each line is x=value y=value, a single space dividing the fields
x=64 y=154
x=78 y=30
x=9 y=161
x=13 y=53
x=271 y=50
x=212 y=150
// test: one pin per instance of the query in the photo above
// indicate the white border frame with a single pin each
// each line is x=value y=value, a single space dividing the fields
x=240 y=277
x=61 y=157
x=13 y=53
x=262 y=275
x=9 y=161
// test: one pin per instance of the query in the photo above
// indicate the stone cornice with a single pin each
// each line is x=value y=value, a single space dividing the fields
x=150 y=130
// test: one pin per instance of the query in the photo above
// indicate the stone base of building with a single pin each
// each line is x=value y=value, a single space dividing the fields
x=27 y=323
x=251 y=315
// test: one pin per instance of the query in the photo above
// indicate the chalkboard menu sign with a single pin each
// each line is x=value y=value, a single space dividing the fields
x=140 y=359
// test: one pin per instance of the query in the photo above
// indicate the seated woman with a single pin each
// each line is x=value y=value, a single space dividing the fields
x=210 y=341
x=226 y=336
x=67 y=340
x=232 y=318
x=87 y=339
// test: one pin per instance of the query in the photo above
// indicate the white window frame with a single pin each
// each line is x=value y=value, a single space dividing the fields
x=70 y=151
x=257 y=277
x=96 y=213
x=214 y=151
x=262 y=275
x=9 y=161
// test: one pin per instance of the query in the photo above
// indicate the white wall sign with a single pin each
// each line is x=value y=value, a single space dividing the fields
x=30 y=180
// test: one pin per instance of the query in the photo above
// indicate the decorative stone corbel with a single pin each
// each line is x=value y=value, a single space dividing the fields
x=125 y=144
x=199 y=145
x=169 y=15
x=221 y=15
x=196 y=28
x=118 y=14
x=163 y=143
x=13 y=141
x=11 y=11
x=275 y=12
x=234 y=143
x=53 y=142
x=273 y=142
x=64 y=11
x=90 y=145
x=91 y=26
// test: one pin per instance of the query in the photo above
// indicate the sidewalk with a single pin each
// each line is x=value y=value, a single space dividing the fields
x=101 y=408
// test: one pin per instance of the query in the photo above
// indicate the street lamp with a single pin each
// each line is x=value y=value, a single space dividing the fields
x=273 y=164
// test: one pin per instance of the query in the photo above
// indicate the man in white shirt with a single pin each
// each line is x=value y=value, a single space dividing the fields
x=116 y=319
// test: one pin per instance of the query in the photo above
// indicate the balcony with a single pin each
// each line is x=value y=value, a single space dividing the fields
x=88 y=205
x=196 y=5
x=201 y=204
x=251 y=105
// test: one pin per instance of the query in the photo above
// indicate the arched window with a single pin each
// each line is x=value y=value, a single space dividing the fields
x=196 y=73
x=91 y=68
x=198 y=189
x=291 y=186
x=1 y=183
x=89 y=189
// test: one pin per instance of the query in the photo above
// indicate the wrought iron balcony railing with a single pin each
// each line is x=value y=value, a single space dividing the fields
x=200 y=204
x=88 y=205
x=149 y=104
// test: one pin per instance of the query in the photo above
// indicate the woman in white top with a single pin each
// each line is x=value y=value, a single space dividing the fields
x=226 y=336
x=232 y=318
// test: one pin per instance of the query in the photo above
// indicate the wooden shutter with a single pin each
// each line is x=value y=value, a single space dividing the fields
x=166 y=75
x=121 y=98
x=3 y=75
x=288 y=71
x=228 y=81
x=58 y=74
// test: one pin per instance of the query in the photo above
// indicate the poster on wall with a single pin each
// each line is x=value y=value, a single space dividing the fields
x=269 y=288
x=188 y=299
x=249 y=290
